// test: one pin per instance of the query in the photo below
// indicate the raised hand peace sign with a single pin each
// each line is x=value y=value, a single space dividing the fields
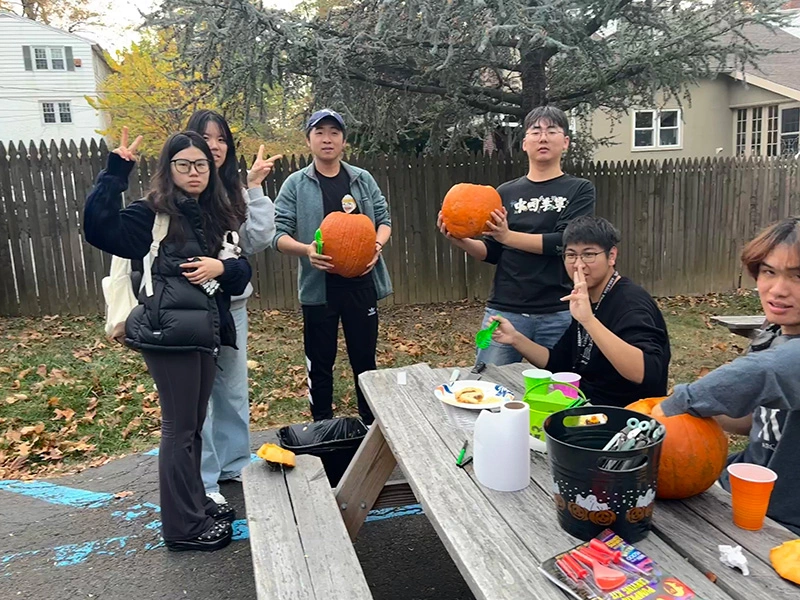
x=261 y=168
x=125 y=151
x=580 y=306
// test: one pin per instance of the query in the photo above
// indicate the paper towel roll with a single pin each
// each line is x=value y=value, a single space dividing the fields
x=501 y=448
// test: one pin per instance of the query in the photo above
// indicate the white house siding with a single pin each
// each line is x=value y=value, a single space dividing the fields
x=22 y=92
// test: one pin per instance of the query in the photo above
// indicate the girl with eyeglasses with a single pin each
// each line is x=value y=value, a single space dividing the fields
x=226 y=433
x=180 y=328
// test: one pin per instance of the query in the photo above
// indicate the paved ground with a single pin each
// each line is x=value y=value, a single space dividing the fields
x=70 y=538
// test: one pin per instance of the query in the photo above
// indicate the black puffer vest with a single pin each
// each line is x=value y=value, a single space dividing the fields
x=179 y=316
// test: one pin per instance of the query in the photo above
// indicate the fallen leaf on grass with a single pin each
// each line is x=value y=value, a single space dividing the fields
x=141 y=389
x=53 y=401
x=41 y=371
x=5 y=370
x=65 y=414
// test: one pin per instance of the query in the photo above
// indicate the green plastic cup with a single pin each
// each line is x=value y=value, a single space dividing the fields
x=535 y=377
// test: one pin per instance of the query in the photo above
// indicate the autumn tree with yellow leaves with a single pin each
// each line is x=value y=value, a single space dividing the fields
x=154 y=98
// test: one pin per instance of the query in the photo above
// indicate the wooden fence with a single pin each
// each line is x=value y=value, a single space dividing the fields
x=683 y=223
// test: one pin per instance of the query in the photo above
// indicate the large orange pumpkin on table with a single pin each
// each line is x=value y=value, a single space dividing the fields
x=467 y=207
x=693 y=453
x=350 y=241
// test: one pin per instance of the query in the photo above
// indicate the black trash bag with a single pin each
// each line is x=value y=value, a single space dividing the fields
x=334 y=441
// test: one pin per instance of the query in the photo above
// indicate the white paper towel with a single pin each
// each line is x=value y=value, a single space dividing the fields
x=501 y=448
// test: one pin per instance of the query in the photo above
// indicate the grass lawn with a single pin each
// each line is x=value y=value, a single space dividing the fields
x=69 y=399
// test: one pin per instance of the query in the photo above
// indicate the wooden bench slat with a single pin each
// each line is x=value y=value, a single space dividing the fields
x=332 y=562
x=300 y=547
x=278 y=563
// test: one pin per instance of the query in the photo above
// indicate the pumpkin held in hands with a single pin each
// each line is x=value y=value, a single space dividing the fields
x=350 y=241
x=693 y=453
x=467 y=207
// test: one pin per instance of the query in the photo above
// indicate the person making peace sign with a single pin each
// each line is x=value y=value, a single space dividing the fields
x=617 y=340
x=180 y=327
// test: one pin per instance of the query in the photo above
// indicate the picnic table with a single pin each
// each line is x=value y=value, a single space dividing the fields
x=744 y=325
x=497 y=540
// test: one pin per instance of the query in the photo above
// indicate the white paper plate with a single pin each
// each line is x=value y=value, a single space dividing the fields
x=495 y=394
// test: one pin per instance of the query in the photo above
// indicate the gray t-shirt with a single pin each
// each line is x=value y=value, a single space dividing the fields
x=765 y=383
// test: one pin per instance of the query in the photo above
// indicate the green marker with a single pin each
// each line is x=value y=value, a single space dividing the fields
x=318 y=239
x=463 y=452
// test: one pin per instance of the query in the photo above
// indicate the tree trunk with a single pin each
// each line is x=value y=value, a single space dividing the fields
x=534 y=77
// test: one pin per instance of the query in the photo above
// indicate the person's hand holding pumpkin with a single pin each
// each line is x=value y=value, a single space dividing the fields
x=374 y=261
x=322 y=262
x=497 y=228
x=443 y=228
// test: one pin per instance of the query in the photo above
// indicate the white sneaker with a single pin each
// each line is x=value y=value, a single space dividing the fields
x=217 y=497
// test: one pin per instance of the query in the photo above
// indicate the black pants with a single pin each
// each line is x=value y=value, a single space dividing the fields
x=358 y=310
x=184 y=381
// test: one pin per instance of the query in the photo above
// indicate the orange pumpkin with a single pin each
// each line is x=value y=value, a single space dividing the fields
x=467 y=207
x=693 y=453
x=350 y=241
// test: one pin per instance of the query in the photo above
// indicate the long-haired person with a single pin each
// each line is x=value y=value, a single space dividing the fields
x=226 y=433
x=180 y=328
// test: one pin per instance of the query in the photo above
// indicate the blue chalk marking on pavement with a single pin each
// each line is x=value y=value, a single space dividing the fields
x=392 y=512
x=57 y=494
x=240 y=530
x=153 y=452
x=136 y=511
x=73 y=554
x=153 y=525
x=9 y=557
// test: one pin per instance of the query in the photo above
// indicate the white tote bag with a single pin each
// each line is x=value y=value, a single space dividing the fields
x=117 y=286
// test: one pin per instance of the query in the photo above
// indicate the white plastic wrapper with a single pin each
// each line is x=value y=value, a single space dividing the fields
x=733 y=557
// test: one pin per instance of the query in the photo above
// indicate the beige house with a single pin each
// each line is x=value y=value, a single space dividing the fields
x=751 y=113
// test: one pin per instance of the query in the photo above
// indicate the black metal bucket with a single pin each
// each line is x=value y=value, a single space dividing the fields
x=590 y=497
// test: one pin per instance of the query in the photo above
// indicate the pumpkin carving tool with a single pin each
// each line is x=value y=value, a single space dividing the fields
x=614 y=556
x=606 y=578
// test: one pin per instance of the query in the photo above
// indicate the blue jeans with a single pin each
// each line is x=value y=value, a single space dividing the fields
x=226 y=431
x=544 y=329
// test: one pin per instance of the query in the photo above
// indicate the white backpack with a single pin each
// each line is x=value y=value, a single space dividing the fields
x=118 y=288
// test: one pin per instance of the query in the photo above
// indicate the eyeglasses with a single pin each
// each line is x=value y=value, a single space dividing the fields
x=184 y=166
x=550 y=131
x=587 y=257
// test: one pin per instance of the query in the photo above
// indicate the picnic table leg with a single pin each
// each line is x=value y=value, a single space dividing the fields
x=364 y=479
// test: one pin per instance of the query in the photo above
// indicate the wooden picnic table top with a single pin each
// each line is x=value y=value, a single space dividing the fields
x=498 y=540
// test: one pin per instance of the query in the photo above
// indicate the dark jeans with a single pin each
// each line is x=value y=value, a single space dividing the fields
x=184 y=381
x=358 y=311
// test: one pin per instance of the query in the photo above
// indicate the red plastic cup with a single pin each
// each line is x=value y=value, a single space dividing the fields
x=751 y=488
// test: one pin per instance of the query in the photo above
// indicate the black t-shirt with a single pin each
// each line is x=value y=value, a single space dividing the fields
x=334 y=189
x=632 y=315
x=535 y=283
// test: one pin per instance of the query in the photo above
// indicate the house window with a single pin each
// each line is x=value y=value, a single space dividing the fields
x=772 y=131
x=49 y=58
x=65 y=112
x=57 y=58
x=656 y=129
x=741 y=132
x=755 y=131
x=790 y=131
x=41 y=58
x=57 y=112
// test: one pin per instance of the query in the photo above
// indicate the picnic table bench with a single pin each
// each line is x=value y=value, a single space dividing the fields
x=300 y=547
x=497 y=540
x=744 y=325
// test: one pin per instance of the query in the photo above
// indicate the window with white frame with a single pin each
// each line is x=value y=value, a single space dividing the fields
x=741 y=132
x=790 y=131
x=656 y=129
x=49 y=57
x=56 y=112
x=756 y=131
x=772 y=130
